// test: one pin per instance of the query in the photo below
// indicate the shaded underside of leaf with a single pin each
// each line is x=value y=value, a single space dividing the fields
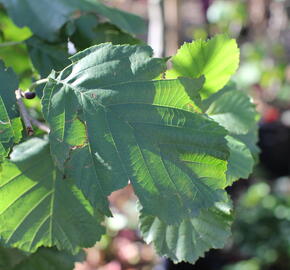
x=250 y=139
x=9 y=83
x=9 y=257
x=42 y=259
x=46 y=57
x=45 y=18
x=191 y=238
x=40 y=207
x=47 y=259
x=241 y=161
x=234 y=110
x=89 y=32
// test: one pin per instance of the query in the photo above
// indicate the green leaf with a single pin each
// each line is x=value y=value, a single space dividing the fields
x=46 y=17
x=106 y=32
x=10 y=257
x=9 y=83
x=10 y=31
x=250 y=139
x=110 y=123
x=191 y=238
x=217 y=59
x=241 y=161
x=41 y=208
x=15 y=56
x=46 y=57
x=89 y=32
x=234 y=110
x=82 y=31
x=42 y=259
x=10 y=123
x=47 y=259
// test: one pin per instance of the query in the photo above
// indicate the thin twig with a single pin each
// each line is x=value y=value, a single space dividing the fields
x=24 y=113
x=39 y=124
x=10 y=43
x=36 y=83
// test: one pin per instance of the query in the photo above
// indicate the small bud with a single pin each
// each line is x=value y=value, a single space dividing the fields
x=29 y=95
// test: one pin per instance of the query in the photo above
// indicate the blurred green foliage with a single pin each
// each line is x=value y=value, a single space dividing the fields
x=228 y=16
x=15 y=56
x=261 y=232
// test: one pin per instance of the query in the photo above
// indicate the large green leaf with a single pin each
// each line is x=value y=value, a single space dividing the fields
x=110 y=123
x=234 y=110
x=40 y=207
x=81 y=31
x=46 y=17
x=87 y=31
x=47 y=259
x=46 y=57
x=42 y=259
x=217 y=59
x=107 y=32
x=10 y=123
x=191 y=238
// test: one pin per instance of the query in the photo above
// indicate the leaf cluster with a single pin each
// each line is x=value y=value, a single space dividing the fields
x=179 y=141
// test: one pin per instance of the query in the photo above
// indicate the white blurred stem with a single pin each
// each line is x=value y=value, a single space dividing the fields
x=36 y=83
x=156 y=27
x=172 y=21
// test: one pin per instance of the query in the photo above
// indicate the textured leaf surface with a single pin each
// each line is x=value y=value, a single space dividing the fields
x=110 y=123
x=82 y=30
x=241 y=161
x=10 y=123
x=191 y=238
x=217 y=59
x=250 y=139
x=40 y=207
x=43 y=259
x=46 y=57
x=46 y=17
x=88 y=31
x=233 y=110
x=107 y=32
x=47 y=259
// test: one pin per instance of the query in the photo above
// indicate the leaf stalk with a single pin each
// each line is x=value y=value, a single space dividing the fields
x=36 y=83
x=28 y=120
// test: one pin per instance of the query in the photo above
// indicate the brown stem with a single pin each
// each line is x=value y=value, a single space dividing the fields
x=24 y=114
x=39 y=124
